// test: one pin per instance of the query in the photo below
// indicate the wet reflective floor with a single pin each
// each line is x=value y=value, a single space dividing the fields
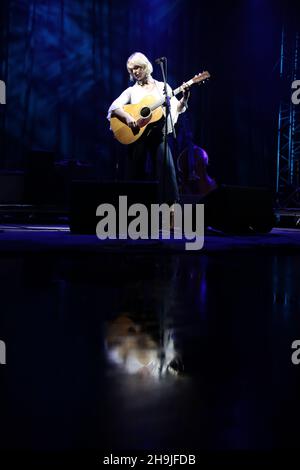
x=136 y=352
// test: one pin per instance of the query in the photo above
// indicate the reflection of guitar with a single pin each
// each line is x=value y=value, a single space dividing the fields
x=148 y=110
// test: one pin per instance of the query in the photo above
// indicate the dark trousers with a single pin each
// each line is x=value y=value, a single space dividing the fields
x=148 y=151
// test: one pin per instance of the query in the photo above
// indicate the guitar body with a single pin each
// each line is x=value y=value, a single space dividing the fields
x=123 y=133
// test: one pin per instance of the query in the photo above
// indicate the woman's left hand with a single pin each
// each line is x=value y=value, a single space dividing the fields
x=185 y=91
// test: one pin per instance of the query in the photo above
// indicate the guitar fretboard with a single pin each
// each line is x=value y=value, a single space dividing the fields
x=174 y=93
x=180 y=88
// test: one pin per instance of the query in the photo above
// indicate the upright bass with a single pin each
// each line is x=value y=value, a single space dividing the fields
x=191 y=165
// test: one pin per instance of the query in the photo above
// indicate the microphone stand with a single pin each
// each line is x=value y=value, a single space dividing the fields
x=163 y=66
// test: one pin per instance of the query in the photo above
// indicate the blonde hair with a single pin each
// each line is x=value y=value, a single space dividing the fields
x=137 y=58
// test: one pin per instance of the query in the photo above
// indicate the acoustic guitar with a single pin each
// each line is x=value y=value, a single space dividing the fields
x=147 y=111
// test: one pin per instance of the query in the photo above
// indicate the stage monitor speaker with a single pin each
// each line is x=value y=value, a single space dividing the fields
x=11 y=187
x=238 y=209
x=40 y=188
x=86 y=196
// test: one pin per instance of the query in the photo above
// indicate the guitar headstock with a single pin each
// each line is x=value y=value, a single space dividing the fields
x=201 y=77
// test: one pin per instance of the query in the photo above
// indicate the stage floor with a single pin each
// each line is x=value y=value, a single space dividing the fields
x=133 y=347
x=37 y=238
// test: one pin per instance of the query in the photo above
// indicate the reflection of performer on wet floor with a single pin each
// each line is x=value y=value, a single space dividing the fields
x=152 y=141
x=136 y=350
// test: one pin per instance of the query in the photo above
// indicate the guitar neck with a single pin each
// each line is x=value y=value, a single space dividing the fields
x=180 y=88
x=174 y=93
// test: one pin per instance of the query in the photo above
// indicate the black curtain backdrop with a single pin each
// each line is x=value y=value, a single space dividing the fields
x=63 y=62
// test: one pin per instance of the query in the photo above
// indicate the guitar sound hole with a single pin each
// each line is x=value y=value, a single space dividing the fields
x=145 y=112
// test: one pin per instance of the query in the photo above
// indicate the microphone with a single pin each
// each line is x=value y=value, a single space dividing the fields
x=160 y=59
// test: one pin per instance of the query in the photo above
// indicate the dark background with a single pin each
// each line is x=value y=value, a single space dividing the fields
x=63 y=62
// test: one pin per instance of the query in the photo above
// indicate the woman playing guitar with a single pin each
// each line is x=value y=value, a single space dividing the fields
x=150 y=143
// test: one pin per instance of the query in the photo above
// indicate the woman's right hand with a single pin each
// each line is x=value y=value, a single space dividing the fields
x=131 y=122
